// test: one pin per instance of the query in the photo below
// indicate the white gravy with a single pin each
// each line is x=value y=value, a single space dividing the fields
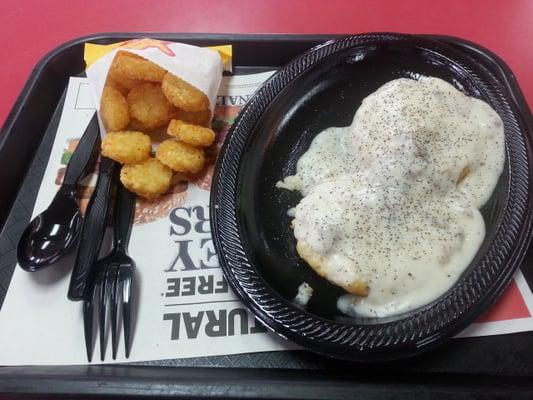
x=385 y=201
x=305 y=292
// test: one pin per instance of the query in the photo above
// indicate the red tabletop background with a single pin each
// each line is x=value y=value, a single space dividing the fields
x=31 y=28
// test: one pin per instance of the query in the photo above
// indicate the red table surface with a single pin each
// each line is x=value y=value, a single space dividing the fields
x=31 y=28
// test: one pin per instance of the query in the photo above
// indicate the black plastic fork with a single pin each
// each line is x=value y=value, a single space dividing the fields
x=112 y=282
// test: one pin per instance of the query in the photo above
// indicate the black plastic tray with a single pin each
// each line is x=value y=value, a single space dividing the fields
x=498 y=366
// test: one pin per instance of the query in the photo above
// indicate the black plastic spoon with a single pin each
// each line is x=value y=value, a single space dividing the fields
x=51 y=234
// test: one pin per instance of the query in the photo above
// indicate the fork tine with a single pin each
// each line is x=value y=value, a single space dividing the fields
x=88 y=313
x=88 y=327
x=114 y=308
x=104 y=289
x=126 y=280
x=88 y=318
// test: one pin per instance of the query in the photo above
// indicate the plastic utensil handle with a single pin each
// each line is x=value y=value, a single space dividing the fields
x=88 y=145
x=124 y=211
x=93 y=228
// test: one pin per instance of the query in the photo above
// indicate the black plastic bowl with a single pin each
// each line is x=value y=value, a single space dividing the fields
x=256 y=247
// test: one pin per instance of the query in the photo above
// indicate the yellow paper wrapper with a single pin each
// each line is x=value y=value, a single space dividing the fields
x=93 y=52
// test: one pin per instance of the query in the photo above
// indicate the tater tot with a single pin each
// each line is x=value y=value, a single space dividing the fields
x=183 y=95
x=192 y=134
x=148 y=179
x=135 y=67
x=181 y=157
x=116 y=85
x=149 y=107
x=123 y=81
x=117 y=75
x=126 y=147
x=114 y=109
x=202 y=118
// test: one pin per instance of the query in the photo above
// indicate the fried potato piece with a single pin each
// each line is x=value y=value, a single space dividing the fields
x=317 y=262
x=181 y=157
x=117 y=76
x=127 y=147
x=148 y=179
x=114 y=109
x=202 y=118
x=148 y=107
x=136 y=125
x=184 y=95
x=135 y=67
x=126 y=83
x=192 y=134
x=110 y=82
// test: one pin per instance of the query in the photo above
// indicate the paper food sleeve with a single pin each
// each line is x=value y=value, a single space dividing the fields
x=200 y=67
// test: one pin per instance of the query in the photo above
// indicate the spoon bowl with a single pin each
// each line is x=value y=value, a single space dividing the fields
x=50 y=234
